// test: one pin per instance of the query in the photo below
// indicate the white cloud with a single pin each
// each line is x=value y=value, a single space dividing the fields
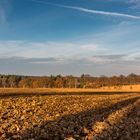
x=122 y=38
x=90 y=46
x=135 y=4
x=134 y=1
x=106 y=13
x=80 y=60
x=108 y=64
x=46 y=49
x=90 y=10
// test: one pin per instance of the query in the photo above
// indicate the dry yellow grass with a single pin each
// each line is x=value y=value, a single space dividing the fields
x=123 y=88
x=128 y=88
x=24 y=91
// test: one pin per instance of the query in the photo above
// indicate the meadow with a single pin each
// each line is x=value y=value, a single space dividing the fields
x=53 y=91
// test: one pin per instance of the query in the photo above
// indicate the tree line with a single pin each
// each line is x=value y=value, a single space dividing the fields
x=84 y=81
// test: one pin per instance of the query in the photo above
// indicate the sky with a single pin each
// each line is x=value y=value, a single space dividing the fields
x=70 y=37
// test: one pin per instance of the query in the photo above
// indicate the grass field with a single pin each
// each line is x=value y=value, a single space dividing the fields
x=36 y=91
x=73 y=116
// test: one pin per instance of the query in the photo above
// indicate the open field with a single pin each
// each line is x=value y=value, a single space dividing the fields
x=69 y=117
x=45 y=91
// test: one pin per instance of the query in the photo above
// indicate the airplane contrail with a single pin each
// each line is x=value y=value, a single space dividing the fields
x=89 y=10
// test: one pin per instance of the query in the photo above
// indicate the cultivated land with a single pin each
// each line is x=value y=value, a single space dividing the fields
x=114 y=115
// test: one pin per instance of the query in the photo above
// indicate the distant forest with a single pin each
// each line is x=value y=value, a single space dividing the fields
x=84 y=81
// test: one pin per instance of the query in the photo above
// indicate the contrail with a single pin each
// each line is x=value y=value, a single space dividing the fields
x=89 y=10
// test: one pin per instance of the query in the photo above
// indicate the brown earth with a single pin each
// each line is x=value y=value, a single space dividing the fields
x=69 y=117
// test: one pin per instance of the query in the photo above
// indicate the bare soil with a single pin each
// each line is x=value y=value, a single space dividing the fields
x=70 y=117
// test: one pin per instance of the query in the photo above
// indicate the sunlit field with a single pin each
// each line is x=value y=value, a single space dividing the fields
x=48 y=91
x=98 y=115
x=69 y=70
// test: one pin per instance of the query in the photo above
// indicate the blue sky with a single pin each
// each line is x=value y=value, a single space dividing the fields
x=43 y=37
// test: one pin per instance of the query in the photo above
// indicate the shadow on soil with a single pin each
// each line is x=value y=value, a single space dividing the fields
x=74 y=125
x=127 y=129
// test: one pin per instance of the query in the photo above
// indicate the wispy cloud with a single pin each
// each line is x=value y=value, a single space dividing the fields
x=90 y=46
x=42 y=49
x=2 y=15
x=4 y=9
x=136 y=3
x=108 y=64
x=121 y=38
x=90 y=10
x=86 y=60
